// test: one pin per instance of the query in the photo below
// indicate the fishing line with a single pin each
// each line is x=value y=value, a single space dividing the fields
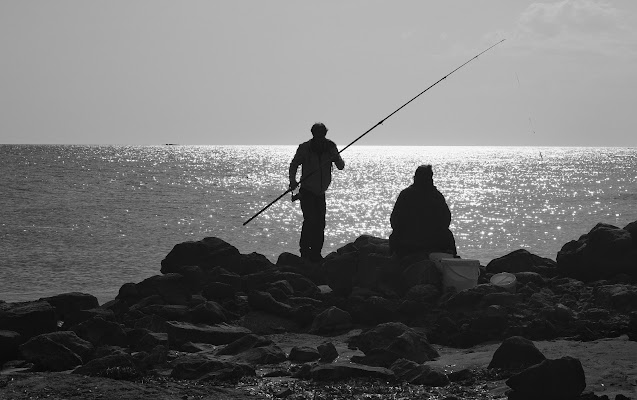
x=372 y=128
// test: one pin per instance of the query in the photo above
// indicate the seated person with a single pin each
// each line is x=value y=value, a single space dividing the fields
x=420 y=219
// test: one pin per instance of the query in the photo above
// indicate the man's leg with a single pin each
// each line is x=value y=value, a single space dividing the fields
x=318 y=238
x=307 y=207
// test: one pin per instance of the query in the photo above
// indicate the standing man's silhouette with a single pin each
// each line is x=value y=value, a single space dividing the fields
x=316 y=157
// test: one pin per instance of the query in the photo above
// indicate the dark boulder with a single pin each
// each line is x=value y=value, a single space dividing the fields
x=391 y=341
x=346 y=370
x=260 y=281
x=9 y=344
x=522 y=261
x=516 y=353
x=549 y=380
x=288 y=262
x=601 y=254
x=253 y=263
x=327 y=351
x=67 y=304
x=80 y=316
x=244 y=343
x=171 y=287
x=264 y=301
x=207 y=253
x=218 y=291
x=418 y=374
x=332 y=320
x=270 y=354
x=339 y=271
x=209 y=312
x=182 y=332
x=168 y=311
x=472 y=297
x=303 y=354
x=371 y=310
x=28 y=318
x=150 y=340
x=56 y=351
x=99 y=331
x=423 y=293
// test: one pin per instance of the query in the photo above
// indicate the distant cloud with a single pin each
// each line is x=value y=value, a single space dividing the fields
x=578 y=25
x=569 y=16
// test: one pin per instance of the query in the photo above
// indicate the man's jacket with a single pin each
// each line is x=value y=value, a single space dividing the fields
x=315 y=158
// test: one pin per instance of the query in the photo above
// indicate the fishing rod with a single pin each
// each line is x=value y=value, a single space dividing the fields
x=372 y=128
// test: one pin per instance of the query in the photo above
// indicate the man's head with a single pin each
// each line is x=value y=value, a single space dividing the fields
x=319 y=130
x=424 y=175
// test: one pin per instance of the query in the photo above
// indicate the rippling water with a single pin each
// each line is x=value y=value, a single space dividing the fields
x=91 y=218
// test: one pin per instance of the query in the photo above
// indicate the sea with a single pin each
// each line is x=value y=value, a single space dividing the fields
x=80 y=218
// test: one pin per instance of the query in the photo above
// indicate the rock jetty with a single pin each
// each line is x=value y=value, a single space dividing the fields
x=210 y=313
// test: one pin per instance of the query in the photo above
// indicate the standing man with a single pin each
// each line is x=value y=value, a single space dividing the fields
x=316 y=157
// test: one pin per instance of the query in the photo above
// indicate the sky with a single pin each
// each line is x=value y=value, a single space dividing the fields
x=240 y=72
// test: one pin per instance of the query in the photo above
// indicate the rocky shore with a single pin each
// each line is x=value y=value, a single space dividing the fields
x=215 y=323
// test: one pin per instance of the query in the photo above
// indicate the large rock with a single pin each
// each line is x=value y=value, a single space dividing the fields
x=29 y=318
x=207 y=253
x=99 y=331
x=601 y=254
x=386 y=343
x=171 y=287
x=549 y=380
x=260 y=281
x=288 y=262
x=327 y=351
x=370 y=310
x=418 y=374
x=372 y=268
x=244 y=343
x=472 y=297
x=340 y=270
x=80 y=316
x=332 y=320
x=522 y=261
x=66 y=304
x=150 y=340
x=253 y=263
x=263 y=301
x=270 y=354
x=182 y=332
x=516 y=353
x=9 y=344
x=346 y=370
x=56 y=351
x=303 y=354
x=210 y=313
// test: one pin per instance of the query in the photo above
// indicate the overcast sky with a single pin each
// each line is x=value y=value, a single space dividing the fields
x=261 y=72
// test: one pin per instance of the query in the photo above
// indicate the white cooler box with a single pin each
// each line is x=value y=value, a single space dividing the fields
x=458 y=273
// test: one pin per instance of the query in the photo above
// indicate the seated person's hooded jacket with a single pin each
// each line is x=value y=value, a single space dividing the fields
x=420 y=221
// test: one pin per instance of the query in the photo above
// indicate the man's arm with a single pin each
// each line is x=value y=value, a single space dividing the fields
x=294 y=167
x=336 y=157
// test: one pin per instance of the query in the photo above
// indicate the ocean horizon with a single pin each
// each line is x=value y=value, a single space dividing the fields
x=90 y=218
